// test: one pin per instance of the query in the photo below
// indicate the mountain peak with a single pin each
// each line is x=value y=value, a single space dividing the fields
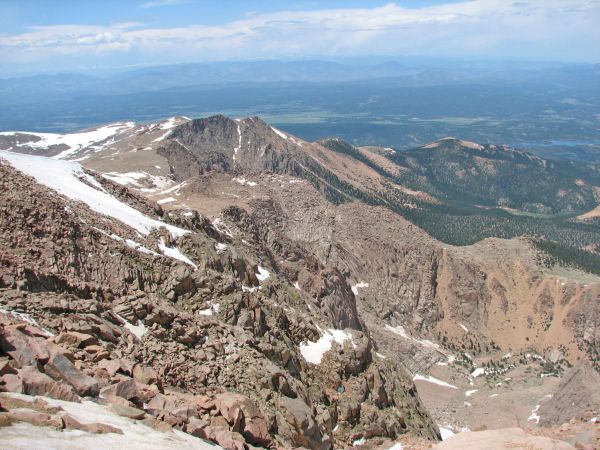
x=448 y=141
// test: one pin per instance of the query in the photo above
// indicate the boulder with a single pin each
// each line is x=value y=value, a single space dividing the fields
x=225 y=438
x=12 y=383
x=70 y=423
x=301 y=429
x=127 y=411
x=126 y=389
x=111 y=366
x=36 y=418
x=61 y=368
x=25 y=350
x=145 y=375
x=196 y=426
x=37 y=383
x=243 y=416
x=75 y=339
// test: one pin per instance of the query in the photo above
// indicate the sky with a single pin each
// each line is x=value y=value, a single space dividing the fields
x=42 y=36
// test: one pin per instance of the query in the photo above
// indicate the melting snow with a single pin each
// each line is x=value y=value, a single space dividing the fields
x=64 y=177
x=242 y=180
x=75 y=141
x=262 y=274
x=534 y=415
x=235 y=150
x=221 y=227
x=174 y=189
x=357 y=286
x=313 y=352
x=171 y=122
x=470 y=392
x=127 y=178
x=26 y=318
x=135 y=434
x=446 y=433
x=466 y=330
x=280 y=133
x=214 y=308
x=297 y=286
x=380 y=355
x=250 y=289
x=478 y=372
x=138 y=330
x=220 y=248
x=399 y=330
x=433 y=380
x=397 y=446
x=174 y=252
x=166 y=200
x=450 y=360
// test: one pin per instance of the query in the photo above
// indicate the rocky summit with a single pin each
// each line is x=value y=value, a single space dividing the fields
x=216 y=281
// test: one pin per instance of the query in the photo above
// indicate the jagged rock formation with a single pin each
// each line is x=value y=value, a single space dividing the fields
x=129 y=325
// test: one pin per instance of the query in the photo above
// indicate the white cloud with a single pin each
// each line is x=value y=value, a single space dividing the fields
x=551 y=29
x=159 y=3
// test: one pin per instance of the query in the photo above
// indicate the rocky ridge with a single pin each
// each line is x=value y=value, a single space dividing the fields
x=125 y=325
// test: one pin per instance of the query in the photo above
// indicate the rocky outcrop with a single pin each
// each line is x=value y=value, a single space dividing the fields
x=163 y=342
x=577 y=397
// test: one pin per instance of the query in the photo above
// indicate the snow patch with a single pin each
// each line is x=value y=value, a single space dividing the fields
x=478 y=372
x=127 y=178
x=433 y=380
x=221 y=227
x=465 y=329
x=399 y=330
x=262 y=274
x=397 y=446
x=26 y=318
x=280 y=133
x=239 y=146
x=534 y=417
x=357 y=286
x=380 y=355
x=174 y=252
x=74 y=141
x=214 y=309
x=313 y=352
x=220 y=248
x=171 y=122
x=166 y=200
x=64 y=178
x=243 y=181
x=470 y=392
x=446 y=433
x=138 y=330
x=135 y=433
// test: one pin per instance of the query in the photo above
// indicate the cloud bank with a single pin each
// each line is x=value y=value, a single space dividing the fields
x=539 y=29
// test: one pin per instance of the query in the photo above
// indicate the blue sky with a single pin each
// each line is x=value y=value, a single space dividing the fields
x=71 y=35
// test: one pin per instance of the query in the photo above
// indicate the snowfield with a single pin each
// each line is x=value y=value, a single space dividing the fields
x=65 y=177
x=135 y=434
x=313 y=352
x=433 y=380
x=75 y=141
